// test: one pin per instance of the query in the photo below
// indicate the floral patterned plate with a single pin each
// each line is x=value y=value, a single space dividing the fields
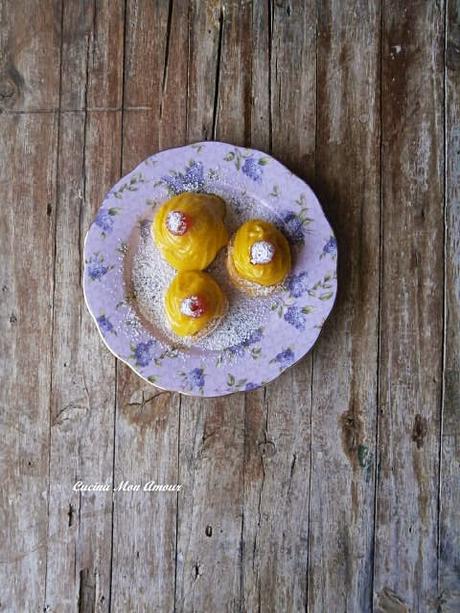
x=297 y=313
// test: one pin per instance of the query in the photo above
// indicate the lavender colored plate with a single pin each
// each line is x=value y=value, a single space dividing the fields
x=296 y=313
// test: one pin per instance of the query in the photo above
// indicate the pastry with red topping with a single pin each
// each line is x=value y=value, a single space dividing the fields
x=259 y=257
x=194 y=303
x=189 y=230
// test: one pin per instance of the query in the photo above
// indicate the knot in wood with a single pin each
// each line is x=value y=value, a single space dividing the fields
x=267 y=449
x=9 y=90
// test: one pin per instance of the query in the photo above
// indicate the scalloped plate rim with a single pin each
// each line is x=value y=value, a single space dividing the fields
x=221 y=393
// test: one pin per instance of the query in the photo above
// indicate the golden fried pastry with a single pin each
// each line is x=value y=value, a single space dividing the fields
x=194 y=303
x=189 y=230
x=259 y=257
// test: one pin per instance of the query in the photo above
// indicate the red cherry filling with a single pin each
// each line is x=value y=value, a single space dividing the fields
x=193 y=306
x=178 y=223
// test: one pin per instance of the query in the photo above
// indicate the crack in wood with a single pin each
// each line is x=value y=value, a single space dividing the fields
x=53 y=301
x=420 y=430
x=166 y=58
x=217 y=75
x=87 y=591
x=352 y=435
x=389 y=602
x=342 y=76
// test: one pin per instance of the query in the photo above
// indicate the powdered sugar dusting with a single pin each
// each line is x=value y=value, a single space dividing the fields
x=132 y=326
x=192 y=307
x=151 y=276
x=176 y=222
x=262 y=252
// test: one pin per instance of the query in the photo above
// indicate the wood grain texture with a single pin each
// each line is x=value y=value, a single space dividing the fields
x=144 y=538
x=344 y=397
x=104 y=85
x=411 y=305
x=449 y=521
x=77 y=37
x=232 y=121
x=208 y=572
x=335 y=488
x=28 y=142
x=83 y=379
x=29 y=79
x=277 y=425
x=79 y=557
x=205 y=44
x=30 y=39
x=293 y=91
x=146 y=41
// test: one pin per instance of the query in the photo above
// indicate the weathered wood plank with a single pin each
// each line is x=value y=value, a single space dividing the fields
x=411 y=305
x=276 y=493
x=250 y=530
x=104 y=86
x=261 y=54
x=173 y=97
x=144 y=538
x=344 y=382
x=292 y=84
x=92 y=54
x=232 y=121
x=449 y=522
x=27 y=193
x=146 y=48
x=211 y=454
x=29 y=80
x=146 y=449
x=77 y=35
x=83 y=377
x=30 y=55
x=210 y=519
x=277 y=420
x=146 y=42
x=204 y=64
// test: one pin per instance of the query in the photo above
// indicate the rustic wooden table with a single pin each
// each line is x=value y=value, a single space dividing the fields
x=336 y=487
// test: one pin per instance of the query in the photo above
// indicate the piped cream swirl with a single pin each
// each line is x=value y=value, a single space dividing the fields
x=197 y=247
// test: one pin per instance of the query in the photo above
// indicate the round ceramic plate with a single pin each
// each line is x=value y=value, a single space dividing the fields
x=259 y=339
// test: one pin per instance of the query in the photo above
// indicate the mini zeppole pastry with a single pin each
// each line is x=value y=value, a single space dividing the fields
x=259 y=257
x=189 y=230
x=194 y=303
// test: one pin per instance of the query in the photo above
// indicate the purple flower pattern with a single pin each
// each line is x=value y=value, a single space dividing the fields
x=251 y=166
x=295 y=317
x=192 y=180
x=104 y=219
x=330 y=247
x=96 y=268
x=284 y=358
x=294 y=227
x=143 y=353
x=194 y=379
x=193 y=176
x=297 y=285
x=252 y=339
x=105 y=324
x=253 y=169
